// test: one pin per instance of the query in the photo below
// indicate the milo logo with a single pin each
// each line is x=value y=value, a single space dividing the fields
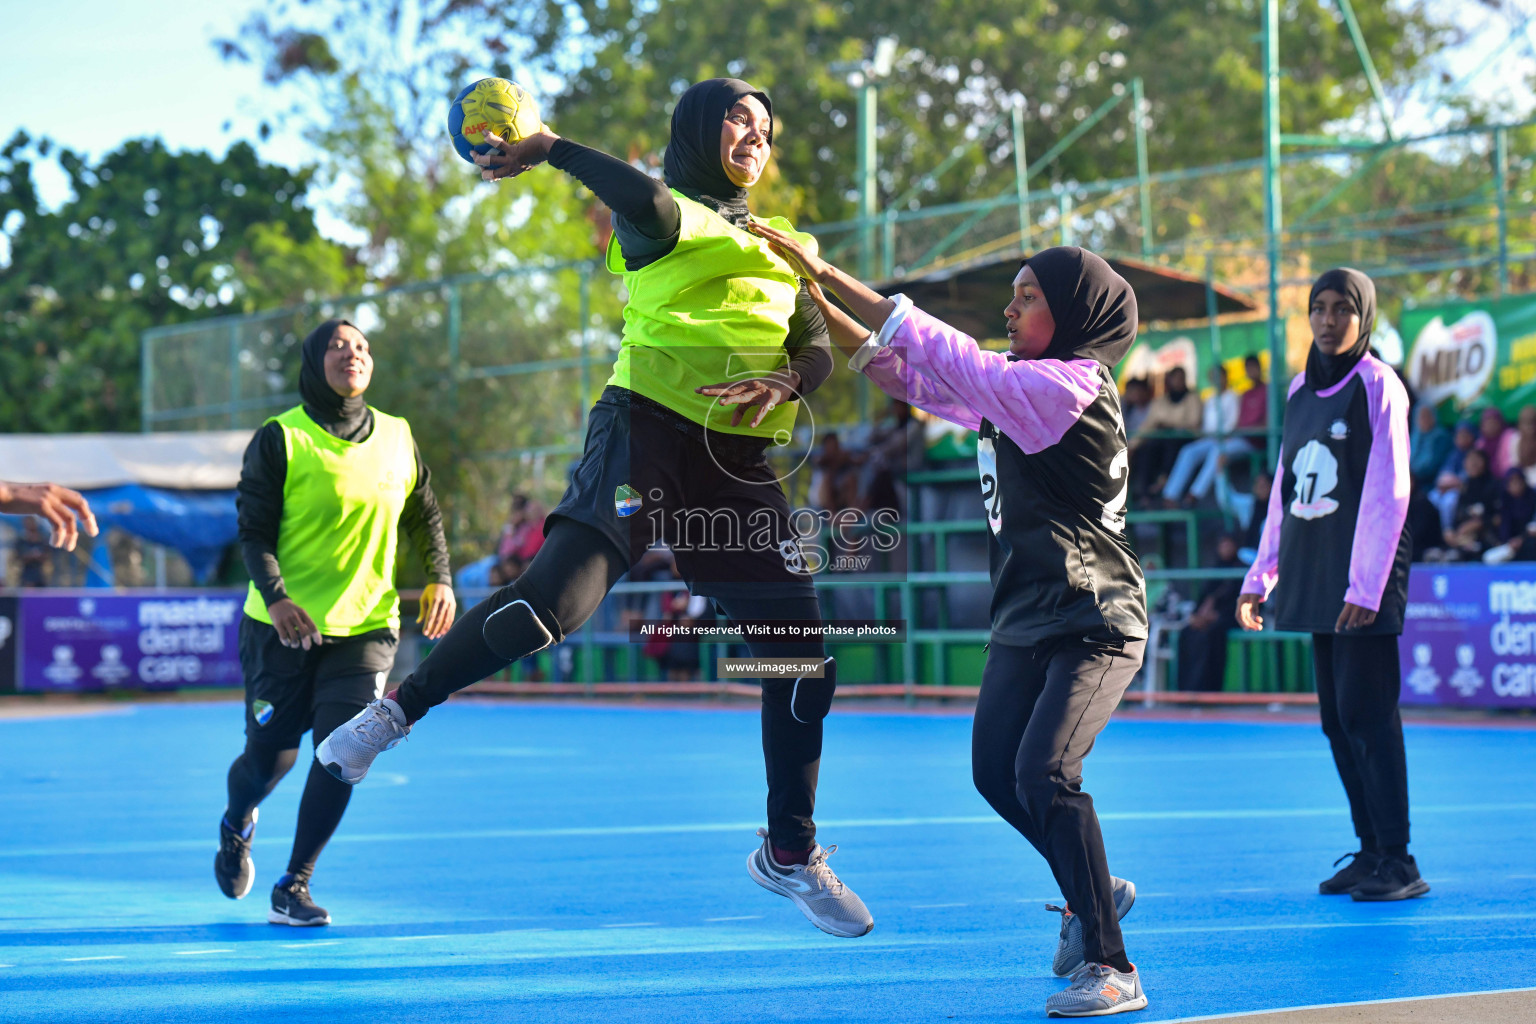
x=1456 y=361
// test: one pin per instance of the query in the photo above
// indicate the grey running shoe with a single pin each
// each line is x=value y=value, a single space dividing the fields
x=349 y=750
x=1069 y=947
x=292 y=904
x=1361 y=866
x=821 y=896
x=1098 y=990
x=232 y=865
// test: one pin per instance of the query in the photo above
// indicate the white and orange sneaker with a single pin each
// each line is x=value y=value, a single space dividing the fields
x=1097 y=990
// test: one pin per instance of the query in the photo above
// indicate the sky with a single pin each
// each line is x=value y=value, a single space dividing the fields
x=93 y=73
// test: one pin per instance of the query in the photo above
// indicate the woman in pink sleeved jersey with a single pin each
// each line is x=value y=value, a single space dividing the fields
x=1335 y=554
x=1069 y=618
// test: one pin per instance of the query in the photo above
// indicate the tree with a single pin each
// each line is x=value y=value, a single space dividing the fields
x=148 y=237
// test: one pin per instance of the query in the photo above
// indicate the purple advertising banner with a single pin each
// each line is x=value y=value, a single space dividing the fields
x=1469 y=639
x=156 y=640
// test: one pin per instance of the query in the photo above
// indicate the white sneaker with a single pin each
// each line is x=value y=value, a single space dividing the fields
x=349 y=750
x=821 y=896
x=1069 y=946
x=1098 y=990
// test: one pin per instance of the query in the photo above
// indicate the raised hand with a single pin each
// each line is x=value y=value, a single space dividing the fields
x=509 y=159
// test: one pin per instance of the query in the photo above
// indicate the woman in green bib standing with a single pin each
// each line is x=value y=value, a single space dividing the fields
x=324 y=492
x=720 y=340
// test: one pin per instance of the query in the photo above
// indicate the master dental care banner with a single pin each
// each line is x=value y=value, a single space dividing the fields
x=1469 y=639
x=1477 y=353
x=161 y=640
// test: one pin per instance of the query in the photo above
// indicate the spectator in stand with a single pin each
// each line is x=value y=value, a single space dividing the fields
x=1202 y=457
x=1462 y=441
x=521 y=538
x=1135 y=403
x=1521 y=444
x=1429 y=445
x=1472 y=532
x=1175 y=412
x=1203 y=641
x=1425 y=533
x=32 y=553
x=1492 y=431
x=1517 y=507
x=834 y=480
x=1253 y=406
x=1258 y=511
x=1445 y=497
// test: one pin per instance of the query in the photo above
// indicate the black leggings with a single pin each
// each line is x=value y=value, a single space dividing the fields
x=258 y=770
x=1359 y=679
x=561 y=588
x=1039 y=711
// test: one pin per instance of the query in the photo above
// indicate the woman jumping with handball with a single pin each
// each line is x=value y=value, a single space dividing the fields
x=714 y=319
x=1069 y=618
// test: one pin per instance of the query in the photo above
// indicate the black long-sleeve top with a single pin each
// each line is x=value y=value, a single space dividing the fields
x=259 y=503
x=647 y=222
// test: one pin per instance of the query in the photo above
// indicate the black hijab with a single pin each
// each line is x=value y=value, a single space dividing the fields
x=342 y=417
x=692 y=161
x=1094 y=308
x=1324 y=371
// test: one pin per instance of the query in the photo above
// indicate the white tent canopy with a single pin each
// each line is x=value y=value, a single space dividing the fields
x=207 y=460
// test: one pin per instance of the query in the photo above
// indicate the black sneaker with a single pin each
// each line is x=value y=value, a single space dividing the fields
x=291 y=904
x=1395 y=878
x=232 y=865
x=1351 y=874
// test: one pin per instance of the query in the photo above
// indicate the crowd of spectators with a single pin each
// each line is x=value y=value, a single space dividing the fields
x=1179 y=442
x=1473 y=497
x=866 y=468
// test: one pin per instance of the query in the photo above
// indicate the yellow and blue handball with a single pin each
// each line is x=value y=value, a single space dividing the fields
x=491 y=104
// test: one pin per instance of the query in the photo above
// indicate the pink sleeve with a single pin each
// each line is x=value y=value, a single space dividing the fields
x=1266 y=564
x=1384 y=498
x=1034 y=401
x=1265 y=571
x=896 y=378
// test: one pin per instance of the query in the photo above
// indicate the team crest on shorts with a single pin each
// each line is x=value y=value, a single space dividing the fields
x=261 y=711
x=626 y=501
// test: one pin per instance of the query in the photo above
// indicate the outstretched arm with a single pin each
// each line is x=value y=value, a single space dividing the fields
x=645 y=214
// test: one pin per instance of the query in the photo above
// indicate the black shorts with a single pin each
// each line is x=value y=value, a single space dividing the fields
x=283 y=685
x=647 y=474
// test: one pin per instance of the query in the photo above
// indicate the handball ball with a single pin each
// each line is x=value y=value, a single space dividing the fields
x=493 y=104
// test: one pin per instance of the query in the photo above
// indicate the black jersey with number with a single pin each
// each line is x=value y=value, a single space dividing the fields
x=1061 y=565
x=1343 y=495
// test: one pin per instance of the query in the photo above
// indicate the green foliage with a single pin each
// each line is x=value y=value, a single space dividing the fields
x=148 y=237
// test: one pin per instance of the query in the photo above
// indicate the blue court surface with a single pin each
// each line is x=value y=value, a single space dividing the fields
x=583 y=863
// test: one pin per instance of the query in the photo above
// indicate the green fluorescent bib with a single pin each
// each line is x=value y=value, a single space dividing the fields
x=714 y=309
x=340 y=528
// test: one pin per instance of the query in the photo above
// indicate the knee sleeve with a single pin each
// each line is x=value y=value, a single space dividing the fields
x=809 y=699
x=522 y=626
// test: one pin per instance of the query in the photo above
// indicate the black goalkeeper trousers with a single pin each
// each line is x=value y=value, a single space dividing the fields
x=1038 y=713
x=564 y=584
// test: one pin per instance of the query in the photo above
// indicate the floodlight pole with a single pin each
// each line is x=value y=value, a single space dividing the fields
x=869 y=203
x=1277 y=373
x=1021 y=175
x=1139 y=122
x=1501 y=191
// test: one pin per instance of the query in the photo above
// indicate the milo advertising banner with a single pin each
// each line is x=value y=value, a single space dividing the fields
x=1473 y=354
x=99 y=641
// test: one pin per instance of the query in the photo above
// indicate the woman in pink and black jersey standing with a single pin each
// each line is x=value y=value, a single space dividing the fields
x=1335 y=554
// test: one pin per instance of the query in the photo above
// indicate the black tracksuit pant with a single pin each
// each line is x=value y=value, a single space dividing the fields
x=1039 y=711
x=1359 y=679
x=566 y=581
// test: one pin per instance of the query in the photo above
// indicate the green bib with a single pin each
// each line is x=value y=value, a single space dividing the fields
x=714 y=309
x=340 y=528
